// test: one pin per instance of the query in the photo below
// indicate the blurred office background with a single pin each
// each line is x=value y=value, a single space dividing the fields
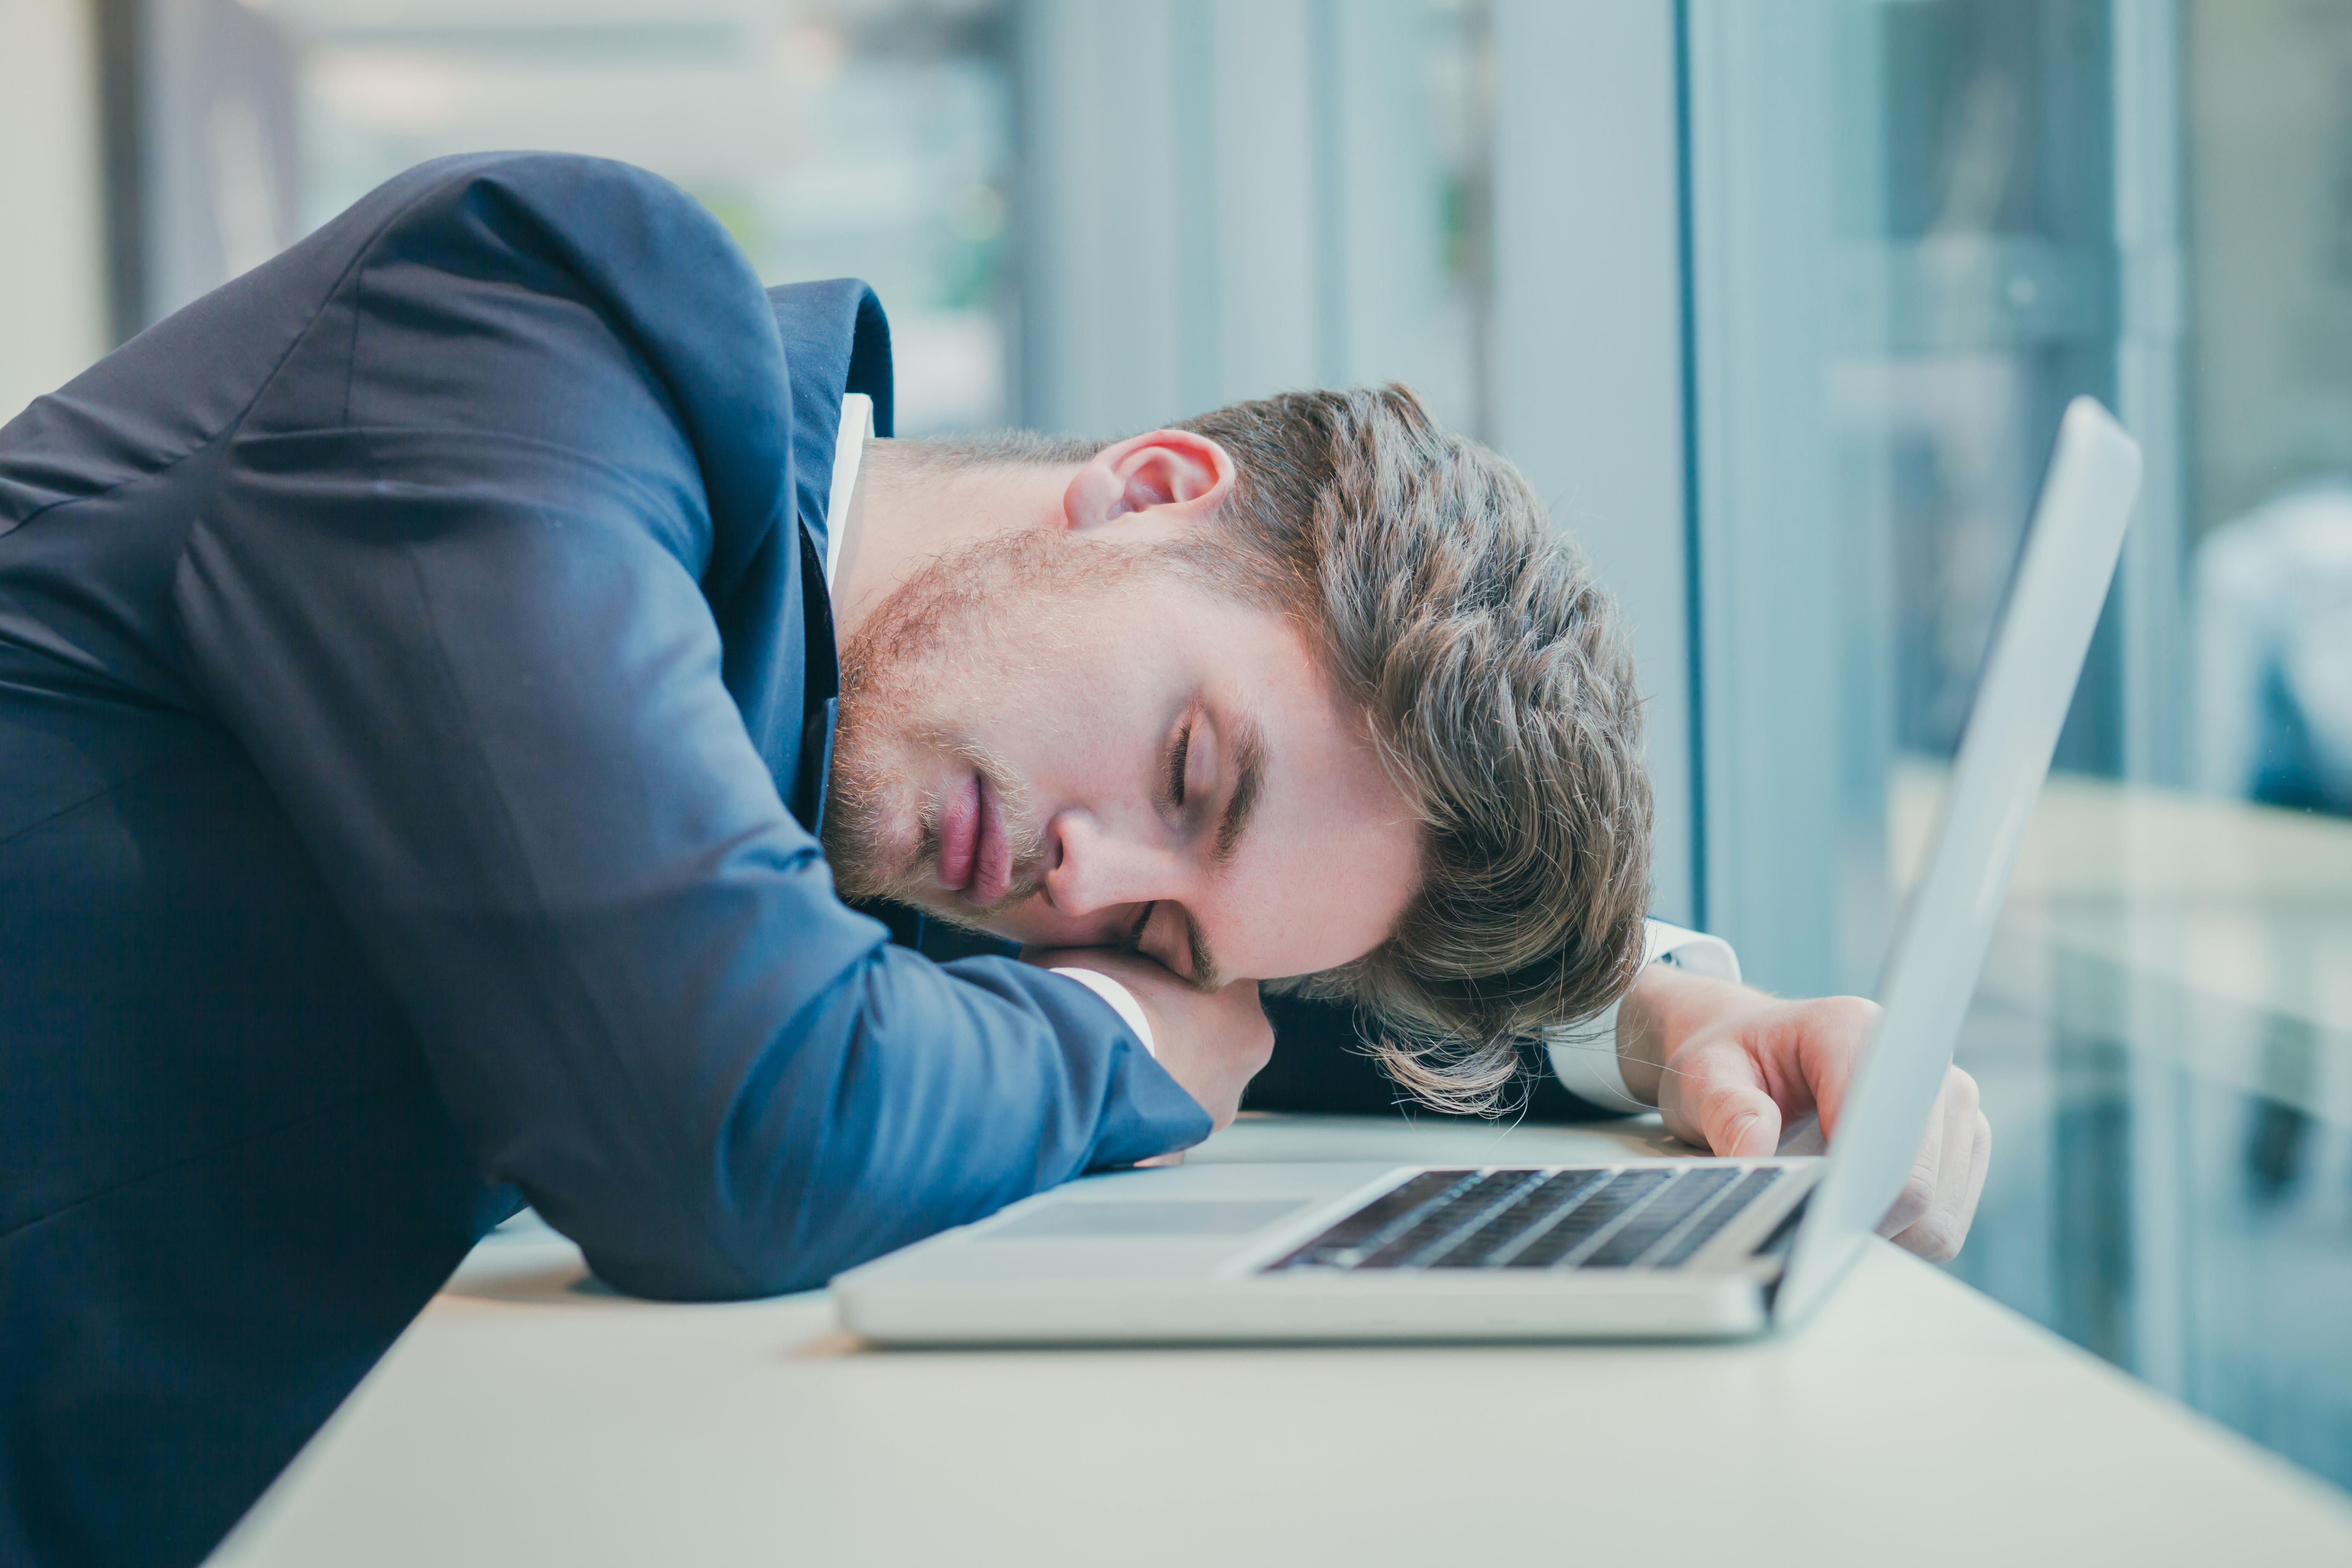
x=1777 y=302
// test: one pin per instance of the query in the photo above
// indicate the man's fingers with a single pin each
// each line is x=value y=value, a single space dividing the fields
x=1980 y=1162
x=1730 y=1085
x=1838 y=1027
x=1918 y=1194
x=1741 y=1121
x=1715 y=1098
x=1966 y=1153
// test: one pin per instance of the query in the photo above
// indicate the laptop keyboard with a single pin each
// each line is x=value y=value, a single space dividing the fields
x=1538 y=1220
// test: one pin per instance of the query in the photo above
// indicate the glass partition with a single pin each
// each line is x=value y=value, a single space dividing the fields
x=1918 y=227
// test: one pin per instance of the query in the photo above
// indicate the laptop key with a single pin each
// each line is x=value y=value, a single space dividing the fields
x=1661 y=1214
x=1588 y=1219
x=1392 y=1206
x=1343 y=1241
x=1751 y=1188
x=1538 y=1206
x=1439 y=1223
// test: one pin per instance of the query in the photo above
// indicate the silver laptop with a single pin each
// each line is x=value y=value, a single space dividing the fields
x=1638 y=1248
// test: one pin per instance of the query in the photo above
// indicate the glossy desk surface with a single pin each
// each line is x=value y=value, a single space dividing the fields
x=529 y=1417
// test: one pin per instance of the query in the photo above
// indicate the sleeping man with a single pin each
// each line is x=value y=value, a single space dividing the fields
x=452 y=677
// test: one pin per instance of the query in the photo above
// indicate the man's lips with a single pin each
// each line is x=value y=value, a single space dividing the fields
x=975 y=854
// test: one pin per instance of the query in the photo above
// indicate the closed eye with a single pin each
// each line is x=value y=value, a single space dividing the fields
x=1191 y=962
x=1178 y=755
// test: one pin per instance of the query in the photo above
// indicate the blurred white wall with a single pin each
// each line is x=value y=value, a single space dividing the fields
x=52 y=239
x=1300 y=193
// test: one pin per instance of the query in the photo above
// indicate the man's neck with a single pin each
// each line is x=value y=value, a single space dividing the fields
x=909 y=507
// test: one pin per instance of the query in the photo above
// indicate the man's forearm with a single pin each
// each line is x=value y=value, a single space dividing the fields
x=1662 y=1010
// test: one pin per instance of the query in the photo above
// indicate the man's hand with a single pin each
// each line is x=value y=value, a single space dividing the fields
x=1212 y=1044
x=1729 y=1066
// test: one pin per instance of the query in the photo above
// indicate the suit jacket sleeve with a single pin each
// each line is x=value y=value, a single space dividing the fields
x=451 y=588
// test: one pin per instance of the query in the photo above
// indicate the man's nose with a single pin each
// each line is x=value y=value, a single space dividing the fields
x=1091 y=867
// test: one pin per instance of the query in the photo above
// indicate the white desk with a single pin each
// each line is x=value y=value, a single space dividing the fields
x=526 y=1420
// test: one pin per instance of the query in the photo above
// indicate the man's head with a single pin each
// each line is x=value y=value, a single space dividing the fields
x=1308 y=689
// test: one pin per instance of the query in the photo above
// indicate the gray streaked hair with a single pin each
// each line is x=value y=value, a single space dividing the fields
x=1447 y=605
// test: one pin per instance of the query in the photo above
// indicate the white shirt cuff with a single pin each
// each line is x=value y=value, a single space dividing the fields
x=1122 y=1002
x=1584 y=1055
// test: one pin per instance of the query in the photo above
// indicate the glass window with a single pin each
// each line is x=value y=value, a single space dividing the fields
x=1918 y=228
x=1287 y=195
x=832 y=137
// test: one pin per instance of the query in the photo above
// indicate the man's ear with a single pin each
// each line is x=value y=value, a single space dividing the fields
x=1163 y=479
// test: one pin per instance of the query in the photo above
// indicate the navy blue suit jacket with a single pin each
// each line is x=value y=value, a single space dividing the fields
x=411 y=661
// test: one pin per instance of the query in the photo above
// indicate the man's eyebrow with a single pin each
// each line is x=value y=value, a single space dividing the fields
x=1249 y=783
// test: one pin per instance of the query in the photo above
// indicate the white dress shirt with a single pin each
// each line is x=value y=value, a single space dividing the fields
x=1585 y=1057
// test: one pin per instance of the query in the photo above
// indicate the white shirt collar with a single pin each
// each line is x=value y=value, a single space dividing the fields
x=848 y=451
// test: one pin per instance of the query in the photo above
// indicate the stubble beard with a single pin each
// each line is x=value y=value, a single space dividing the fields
x=925 y=662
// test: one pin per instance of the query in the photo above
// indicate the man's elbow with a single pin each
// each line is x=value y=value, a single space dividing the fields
x=714 y=1268
x=707 y=1248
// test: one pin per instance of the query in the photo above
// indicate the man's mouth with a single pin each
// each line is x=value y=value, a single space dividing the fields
x=975 y=851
